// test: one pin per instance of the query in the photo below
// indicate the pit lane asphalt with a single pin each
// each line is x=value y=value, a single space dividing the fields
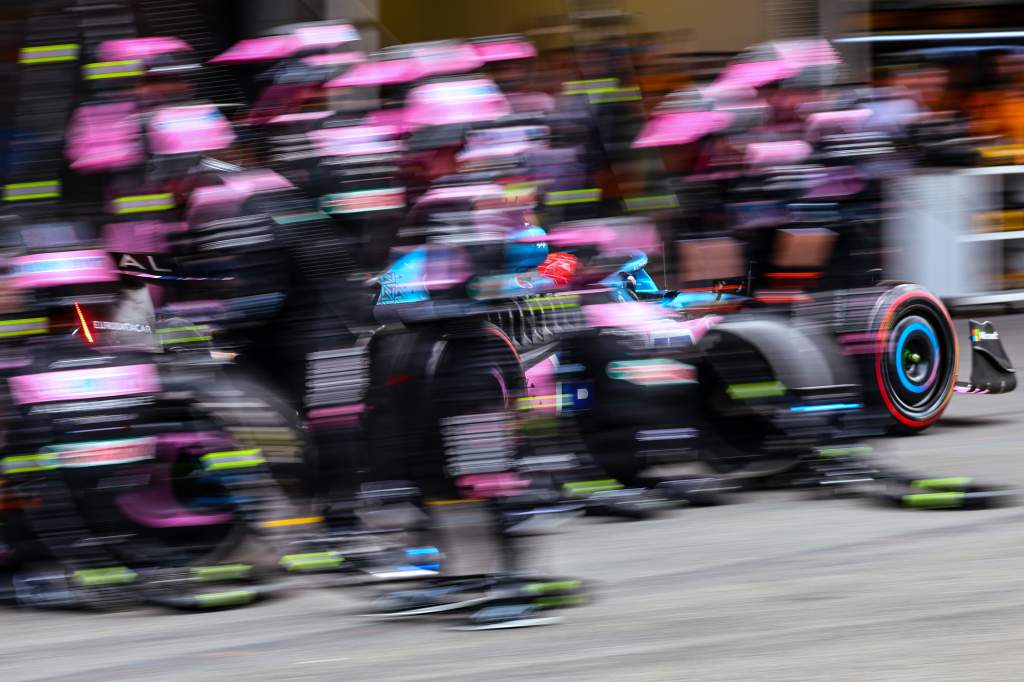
x=772 y=587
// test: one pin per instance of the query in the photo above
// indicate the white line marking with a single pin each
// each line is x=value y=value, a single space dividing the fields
x=322 y=660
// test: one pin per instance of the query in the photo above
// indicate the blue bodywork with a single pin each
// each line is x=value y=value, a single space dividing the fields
x=402 y=282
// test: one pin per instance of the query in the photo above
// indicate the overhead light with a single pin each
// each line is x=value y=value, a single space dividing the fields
x=910 y=37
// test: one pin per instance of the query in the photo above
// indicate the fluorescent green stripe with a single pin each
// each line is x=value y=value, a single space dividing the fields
x=32 y=325
x=46 y=48
x=946 y=500
x=68 y=57
x=227 y=454
x=103 y=76
x=552 y=306
x=143 y=197
x=563 y=202
x=240 y=464
x=28 y=470
x=143 y=203
x=27 y=197
x=106 y=69
x=555 y=586
x=845 y=452
x=314 y=561
x=43 y=183
x=952 y=483
x=760 y=389
x=223 y=572
x=560 y=602
x=143 y=209
x=237 y=459
x=48 y=189
x=651 y=202
x=580 y=196
x=70 y=51
x=186 y=339
x=24 y=464
x=232 y=598
x=584 y=488
x=589 y=86
x=115 y=575
x=27 y=320
x=193 y=328
x=22 y=332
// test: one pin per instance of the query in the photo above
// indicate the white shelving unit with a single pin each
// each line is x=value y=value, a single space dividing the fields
x=933 y=238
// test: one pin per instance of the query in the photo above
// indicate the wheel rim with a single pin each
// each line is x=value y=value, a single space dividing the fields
x=917 y=363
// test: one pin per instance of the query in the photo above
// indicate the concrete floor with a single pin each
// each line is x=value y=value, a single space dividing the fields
x=773 y=587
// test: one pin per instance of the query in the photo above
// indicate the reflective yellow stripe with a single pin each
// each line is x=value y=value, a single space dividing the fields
x=41 y=54
x=574 y=196
x=119 y=69
x=236 y=459
x=23 y=327
x=23 y=464
x=651 y=203
x=23 y=191
x=587 y=87
x=186 y=339
x=609 y=95
x=143 y=203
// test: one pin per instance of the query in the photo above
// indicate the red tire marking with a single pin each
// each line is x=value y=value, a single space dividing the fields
x=883 y=334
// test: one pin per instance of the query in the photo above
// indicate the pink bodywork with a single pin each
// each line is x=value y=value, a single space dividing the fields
x=334 y=59
x=356 y=140
x=217 y=202
x=440 y=194
x=59 y=269
x=385 y=72
x=188 y=130
x=647 y=318
x=140 y=48
x=792 y=57
x=681 y=128
x=326 y=36
x=249 y=183
x=272 y=48
x=252 y=50
x=389 y=117
x=339 y=416
x=777 y=153
x=156 y=505
x=634 y=235
x=144 y=236
x=467 y=101
x=493 y=485
x=84 y=384
x=300 y=117
x=425 y=60
x=501 y=50
x=104 y=137
x=443 y=58
x=825 y=122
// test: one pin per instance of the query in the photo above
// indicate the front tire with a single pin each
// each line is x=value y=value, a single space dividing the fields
x=916 y=357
